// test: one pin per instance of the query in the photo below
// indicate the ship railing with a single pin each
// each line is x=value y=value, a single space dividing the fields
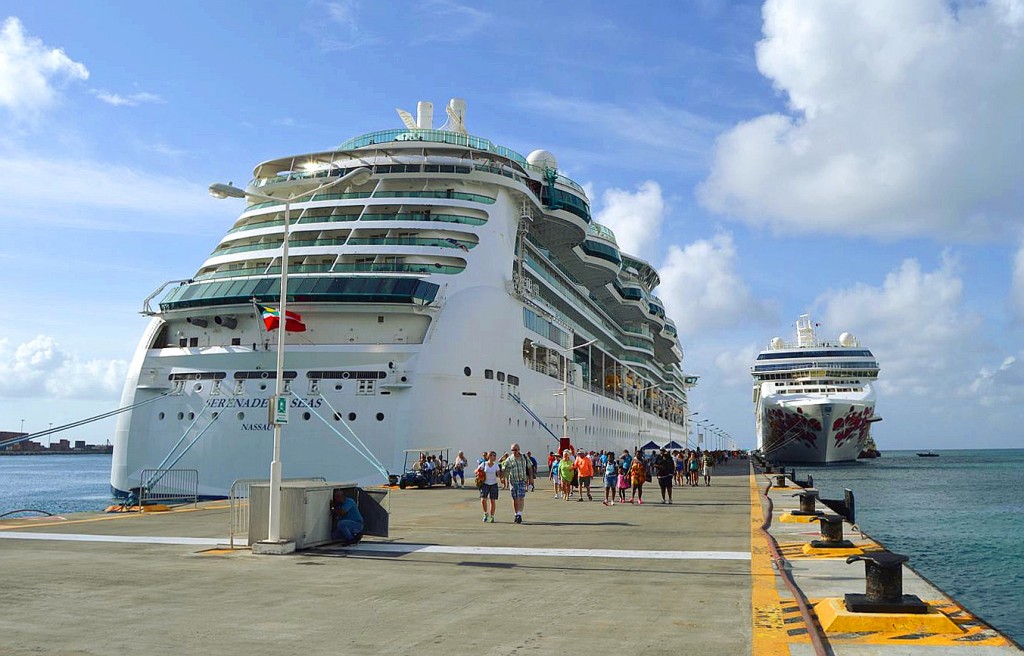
x=169 y=486
x=238 y=502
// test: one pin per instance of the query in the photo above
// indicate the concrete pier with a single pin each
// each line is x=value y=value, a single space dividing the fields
x=692 y=577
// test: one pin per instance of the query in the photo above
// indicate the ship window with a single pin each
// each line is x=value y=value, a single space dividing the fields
x=241 y=416
x=489 y=374
x=501 y=376
x=380 y=318
x=236 y=341
x=193 y=342
x=351 y=416
x=380 y=416
x=467 y=371
x=160 y=416
x=513 y=380
x=181 y=415
x=306 y=416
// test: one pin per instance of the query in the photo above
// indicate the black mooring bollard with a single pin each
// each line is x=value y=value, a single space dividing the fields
x=883 y=572
x=807 y=499
x=831 y=533
x=780 y=480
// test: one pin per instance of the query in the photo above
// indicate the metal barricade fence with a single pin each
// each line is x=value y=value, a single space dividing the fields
x=169 y=485
x=238 y=499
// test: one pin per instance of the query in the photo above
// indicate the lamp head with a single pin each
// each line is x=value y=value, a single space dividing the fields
x=219 y=190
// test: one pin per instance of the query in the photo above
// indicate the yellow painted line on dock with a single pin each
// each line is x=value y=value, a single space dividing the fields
x=60 y=521
x=774 y=623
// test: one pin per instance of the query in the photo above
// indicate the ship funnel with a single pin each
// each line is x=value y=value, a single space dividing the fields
x=197 y=321
x=425 y=115
x=456 y=111
x=227 y=322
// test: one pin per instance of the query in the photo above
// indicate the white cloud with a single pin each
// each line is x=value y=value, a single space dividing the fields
x=702 y=291
x=646 y=128
x=635 y=218
x=131 y=100
x=29 y=71
x=915 y=323
x=342 y=30
x=444 y=21
x=40 y=368
x=106 y=196
x=1002 y=385
x=734 y=365
x=904 y=121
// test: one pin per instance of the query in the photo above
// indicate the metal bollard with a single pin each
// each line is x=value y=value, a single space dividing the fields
x=807 y=499
x=883 y=572
x=831 y=533
x=780 y=480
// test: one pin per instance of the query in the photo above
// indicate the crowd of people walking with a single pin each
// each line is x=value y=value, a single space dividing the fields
x=573 y=472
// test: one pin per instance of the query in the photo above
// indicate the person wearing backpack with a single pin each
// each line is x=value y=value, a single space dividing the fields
x=487 y=475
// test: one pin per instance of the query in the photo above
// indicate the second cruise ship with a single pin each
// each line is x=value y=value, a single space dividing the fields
x=813 y=400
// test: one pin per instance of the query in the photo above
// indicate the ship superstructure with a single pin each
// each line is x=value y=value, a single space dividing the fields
x=447 y=301
x=813 y=400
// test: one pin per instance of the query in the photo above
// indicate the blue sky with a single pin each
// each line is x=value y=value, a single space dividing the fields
x=861 y=161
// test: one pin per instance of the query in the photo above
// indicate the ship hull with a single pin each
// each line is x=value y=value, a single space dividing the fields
x=814 y=431
x=422 y=399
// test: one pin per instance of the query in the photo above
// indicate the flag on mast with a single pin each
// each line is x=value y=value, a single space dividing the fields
x=272 y=320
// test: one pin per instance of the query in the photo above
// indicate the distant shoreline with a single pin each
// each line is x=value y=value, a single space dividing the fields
x=101 y=451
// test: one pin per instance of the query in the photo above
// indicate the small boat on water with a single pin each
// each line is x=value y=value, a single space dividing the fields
x=928 y=454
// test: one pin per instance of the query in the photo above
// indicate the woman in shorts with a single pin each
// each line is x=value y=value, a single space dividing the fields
x=489 y=489
x=459 y=470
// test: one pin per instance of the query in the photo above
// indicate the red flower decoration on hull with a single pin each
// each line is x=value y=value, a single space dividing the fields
x=788 y=427
x=854 y=424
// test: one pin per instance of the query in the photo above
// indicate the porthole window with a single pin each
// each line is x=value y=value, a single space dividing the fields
x=198 y=387
x=160 y=416
x=467 y=371
x=191 y=416
x=241 y=416
x=216 y=414
x=263 y=387
x=337 y=416
x=181 y=415
x=351 y=416
x=306 y=416
x=380 y=416
x=337 y=388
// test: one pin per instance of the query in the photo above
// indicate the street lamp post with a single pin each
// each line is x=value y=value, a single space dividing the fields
x=217 y=190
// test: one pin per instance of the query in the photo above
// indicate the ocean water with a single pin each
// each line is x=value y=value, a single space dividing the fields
x=56 y=484
x=960 y=517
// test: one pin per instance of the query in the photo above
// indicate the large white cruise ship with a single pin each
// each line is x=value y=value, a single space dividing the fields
x=813 y=401
x=447 y=301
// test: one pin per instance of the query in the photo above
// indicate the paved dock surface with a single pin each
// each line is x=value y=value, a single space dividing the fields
x=665 y=579
x=695 y=577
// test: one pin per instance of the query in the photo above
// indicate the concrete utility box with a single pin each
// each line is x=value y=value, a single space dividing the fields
x=306 y=511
